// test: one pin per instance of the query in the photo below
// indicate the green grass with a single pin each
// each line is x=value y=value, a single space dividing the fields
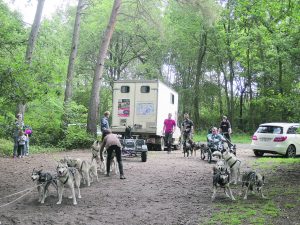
x=241 y=138
x=244 y=212
x=274 y=162
x=261 y=211
x=6 y=148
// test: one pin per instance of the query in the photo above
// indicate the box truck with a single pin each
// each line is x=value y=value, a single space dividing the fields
x=143 y=105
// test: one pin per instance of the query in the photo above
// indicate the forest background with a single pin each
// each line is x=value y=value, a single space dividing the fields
x=238 y=58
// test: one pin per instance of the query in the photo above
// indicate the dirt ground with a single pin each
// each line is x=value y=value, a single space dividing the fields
x=167 y=189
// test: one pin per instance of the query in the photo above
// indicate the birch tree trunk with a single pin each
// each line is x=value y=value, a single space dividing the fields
x=31 y=43
x=93 y=112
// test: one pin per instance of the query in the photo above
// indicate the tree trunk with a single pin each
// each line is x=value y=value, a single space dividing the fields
x=31 y=43
x=280 y=71
x=34 y=31
x=201 y=54
x=93 y=112
x=72 y=58
x=73 y=54
x=220 y=94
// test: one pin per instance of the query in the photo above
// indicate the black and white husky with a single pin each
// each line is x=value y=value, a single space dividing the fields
x=221 y=177
x=43 y=181
x=67 y=177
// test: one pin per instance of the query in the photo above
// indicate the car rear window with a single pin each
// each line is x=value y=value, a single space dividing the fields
x=270 y=129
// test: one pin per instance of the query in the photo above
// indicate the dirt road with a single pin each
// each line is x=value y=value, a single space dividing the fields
x=167 y=189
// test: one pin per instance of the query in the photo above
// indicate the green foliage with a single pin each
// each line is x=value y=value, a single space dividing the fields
x=77 y=137
x=153 y=39
x=6 y=147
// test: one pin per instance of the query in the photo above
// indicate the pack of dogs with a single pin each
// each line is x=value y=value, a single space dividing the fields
x=226 y=171
x=70 y=172
x=190 y=148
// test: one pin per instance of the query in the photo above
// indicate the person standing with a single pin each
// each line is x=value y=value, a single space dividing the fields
x=104 y=124
x=168 y=130
x=187 y=129
x=21 y=144
x=225 y=128
x=112 y=143
x=28 y=132
x=18 y=127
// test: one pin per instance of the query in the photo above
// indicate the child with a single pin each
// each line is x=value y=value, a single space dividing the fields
x=28 y=132
x=21 y=144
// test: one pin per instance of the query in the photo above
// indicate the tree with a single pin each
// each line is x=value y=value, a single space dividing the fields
x=72 y=57
x=93 y=112
x=31 y=43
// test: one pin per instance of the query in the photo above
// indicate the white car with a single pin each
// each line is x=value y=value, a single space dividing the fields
x=277 y=138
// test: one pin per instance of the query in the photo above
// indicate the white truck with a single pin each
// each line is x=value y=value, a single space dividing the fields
x=144 y=105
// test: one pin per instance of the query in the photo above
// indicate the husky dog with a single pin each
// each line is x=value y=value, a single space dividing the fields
x=69 y=177
x=96 y=156
x=188 y=148
x=196 y=146
x=235 y=164
x=93 y=171
x=252 y=180
x=217 y=154
x=102 y=163
x=43 y=181
x=82 y=166
x=221 y=178
x=113 y=164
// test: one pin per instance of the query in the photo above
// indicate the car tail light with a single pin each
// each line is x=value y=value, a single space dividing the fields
x=254 y=138
x=280 y=139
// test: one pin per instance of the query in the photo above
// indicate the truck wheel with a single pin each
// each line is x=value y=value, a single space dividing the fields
x=176 y=147
x=161 y=146
x=144 y=156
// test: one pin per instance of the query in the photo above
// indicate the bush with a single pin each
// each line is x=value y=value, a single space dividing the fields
x=6 y=147
x=77 y=137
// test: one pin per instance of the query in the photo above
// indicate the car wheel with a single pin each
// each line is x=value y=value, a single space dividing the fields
x=144 y=156
x=258 y=153
x=291 y=151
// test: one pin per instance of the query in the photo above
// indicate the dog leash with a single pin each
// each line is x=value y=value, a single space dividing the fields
x=28 y=191
x=16 y=199
x=20 y=191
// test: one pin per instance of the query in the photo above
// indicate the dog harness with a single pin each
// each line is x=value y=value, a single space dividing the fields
x=66 y=180
x=233 y=163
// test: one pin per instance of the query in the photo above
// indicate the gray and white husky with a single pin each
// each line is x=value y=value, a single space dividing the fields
x=86 y=169
x=101 y=165
x=253 y=180
x=234 y=164
x=67 y=177
x=43 y=181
